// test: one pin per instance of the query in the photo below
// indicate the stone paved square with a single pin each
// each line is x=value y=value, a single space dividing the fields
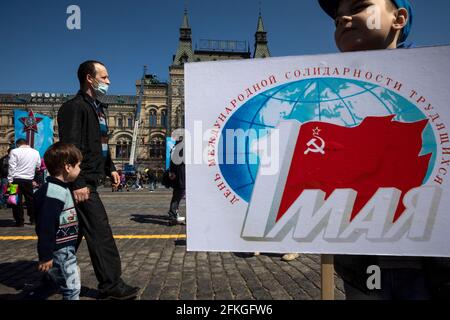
x=158 y=262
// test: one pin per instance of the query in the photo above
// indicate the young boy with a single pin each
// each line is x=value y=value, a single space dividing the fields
x=402 y=278
x=57 y=222
x=357 y=26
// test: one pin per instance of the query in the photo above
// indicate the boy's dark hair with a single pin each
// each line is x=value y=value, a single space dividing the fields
x=60 y=154
x=21 y=142
x=87 y=67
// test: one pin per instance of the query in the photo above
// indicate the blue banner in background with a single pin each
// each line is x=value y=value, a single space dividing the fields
x=36 y=128
x=170 y=143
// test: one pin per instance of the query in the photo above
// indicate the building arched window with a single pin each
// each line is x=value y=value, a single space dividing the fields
x=123 y=147
x=153 y=118
x=130 y=122
x=164 y=118
x=120 y=122
x=157 y=148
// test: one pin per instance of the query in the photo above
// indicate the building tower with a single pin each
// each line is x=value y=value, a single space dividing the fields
x=261 y=47
x=176 y=72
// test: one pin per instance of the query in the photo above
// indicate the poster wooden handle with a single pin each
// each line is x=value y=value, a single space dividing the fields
x=327 y=267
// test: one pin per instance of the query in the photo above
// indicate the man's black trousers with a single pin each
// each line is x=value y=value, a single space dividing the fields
x=25 y=191
x=94 y=226
x=177 y=196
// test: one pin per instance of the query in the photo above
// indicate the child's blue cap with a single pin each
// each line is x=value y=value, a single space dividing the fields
x=331 y=6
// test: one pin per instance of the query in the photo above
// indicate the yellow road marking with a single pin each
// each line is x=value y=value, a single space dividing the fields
x=133 y=236
x=18 y=238
x=151 y=236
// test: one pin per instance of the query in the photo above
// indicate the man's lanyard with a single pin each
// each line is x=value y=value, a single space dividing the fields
x=103 y=128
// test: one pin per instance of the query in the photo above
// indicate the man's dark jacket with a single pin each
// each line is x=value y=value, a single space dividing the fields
x=178 y=169
x=78 y=124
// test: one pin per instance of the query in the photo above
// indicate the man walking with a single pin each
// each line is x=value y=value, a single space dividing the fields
x=22 y=166
x=151 y=179
x=177 y=173
x=4 y=168
x=82 y=122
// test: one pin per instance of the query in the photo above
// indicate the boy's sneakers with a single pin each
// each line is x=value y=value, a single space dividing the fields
x=290 y=256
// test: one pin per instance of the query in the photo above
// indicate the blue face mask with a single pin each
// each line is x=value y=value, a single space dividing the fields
x=101 y=89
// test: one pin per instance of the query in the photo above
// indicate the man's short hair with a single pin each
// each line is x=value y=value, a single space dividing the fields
x=87 y=67
x=59 y=155
x=21 y=142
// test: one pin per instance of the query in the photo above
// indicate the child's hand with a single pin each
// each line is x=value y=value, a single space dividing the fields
x=45 y=266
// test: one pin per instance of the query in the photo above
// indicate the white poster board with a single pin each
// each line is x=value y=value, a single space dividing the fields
x=330 y=154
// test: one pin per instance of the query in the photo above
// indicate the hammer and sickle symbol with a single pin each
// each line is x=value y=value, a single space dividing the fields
x=317 y=148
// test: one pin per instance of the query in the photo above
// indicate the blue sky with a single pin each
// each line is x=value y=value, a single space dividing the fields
x=38 y=53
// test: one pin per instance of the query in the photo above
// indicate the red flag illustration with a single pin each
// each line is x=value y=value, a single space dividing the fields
x=379 y=153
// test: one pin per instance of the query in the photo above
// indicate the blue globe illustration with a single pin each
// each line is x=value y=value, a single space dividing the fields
x=332 y=100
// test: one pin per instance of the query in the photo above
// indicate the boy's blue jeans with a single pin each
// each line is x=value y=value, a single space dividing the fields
x=65 y=273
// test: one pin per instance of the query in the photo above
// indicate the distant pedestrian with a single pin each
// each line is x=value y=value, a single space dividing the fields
x=177 y=173
x=123 y=182
x=22 y=166
x=138 y=181
x=151 y=180
x=4 y=167
x=57 y=221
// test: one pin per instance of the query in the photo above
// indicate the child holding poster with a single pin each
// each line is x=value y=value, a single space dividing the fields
x=402 y=278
